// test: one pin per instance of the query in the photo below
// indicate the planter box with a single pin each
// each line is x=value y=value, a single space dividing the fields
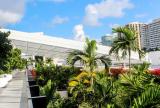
x=32 y=82
x=35 y=100
x=62 y=93
x=34 y=90
x=39 y=102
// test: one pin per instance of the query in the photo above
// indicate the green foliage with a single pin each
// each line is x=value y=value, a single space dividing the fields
x=85 y=105
x=5 y=48
x=49 y=61
x=48 y=90
x=88 y=57
x=45 y=73
x=141 y=68
x=99 y=95
x=52 y=78
x=136 y=89
x=104 y=90
x=79 y=93
x=60 y=74
x=149 y=98
x=38 y=58
x=9 y=58
x=133 y=88
x=58 y=102
x=125 y=43
x=1 y=72
x=15 y=61
x=30 y=61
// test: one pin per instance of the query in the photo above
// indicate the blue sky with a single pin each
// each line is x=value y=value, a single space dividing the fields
x=71 y=18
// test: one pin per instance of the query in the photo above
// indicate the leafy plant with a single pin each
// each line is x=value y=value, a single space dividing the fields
x=85 y=105
x=48 y=90
x=134 y=89
x=59 y=102
x=141 y=68
x=104 y=90
x=150 y=98
x=5 y=48
x=98 y=96
x=15 y=59
x=45 y=73
x=132 y=85
x=49 y=61
x=62 y=76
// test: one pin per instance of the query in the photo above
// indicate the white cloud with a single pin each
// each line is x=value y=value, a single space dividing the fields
x=79 y=33
x=106 y=8
x=11 y=11
x=59 y=20
x=113 y=25
x=140 y=15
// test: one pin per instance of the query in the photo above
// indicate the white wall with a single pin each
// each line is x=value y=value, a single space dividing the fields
x=153 y=58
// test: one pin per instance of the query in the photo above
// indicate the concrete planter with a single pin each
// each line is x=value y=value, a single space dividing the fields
x=8 y=77
x=63 y=93
x=3 y=82
x=4 y=79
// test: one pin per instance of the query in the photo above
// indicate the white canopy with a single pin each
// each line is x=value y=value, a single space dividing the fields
x=39 y=44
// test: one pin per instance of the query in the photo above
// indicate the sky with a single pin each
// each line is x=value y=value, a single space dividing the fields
x=75 y=19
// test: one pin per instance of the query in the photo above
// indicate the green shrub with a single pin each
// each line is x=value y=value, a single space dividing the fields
x=136 y=89
x=5 y=48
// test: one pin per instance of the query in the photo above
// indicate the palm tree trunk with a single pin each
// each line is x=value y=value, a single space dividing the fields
x=129 y=51
x=91 y=76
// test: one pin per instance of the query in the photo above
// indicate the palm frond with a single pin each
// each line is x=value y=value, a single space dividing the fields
x=125 y=43
x=88 y=57
x=105 y=60
x=91 y=47
x=149 y=98
x=75 y=56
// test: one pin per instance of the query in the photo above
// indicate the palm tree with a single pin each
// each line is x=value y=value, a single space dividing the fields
x=125 y=43
x=88 y=57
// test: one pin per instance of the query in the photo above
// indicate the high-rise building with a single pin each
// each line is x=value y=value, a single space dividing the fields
x=136 y=26
x=108 y=39
x=151 y=35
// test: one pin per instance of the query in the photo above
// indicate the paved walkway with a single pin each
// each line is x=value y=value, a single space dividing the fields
x=11 y=96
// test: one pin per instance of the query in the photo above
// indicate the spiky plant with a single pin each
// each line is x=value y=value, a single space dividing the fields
x=150 y=98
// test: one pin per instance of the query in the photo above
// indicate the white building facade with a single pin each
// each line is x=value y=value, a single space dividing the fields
x=150 y=35
x=136 y=26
